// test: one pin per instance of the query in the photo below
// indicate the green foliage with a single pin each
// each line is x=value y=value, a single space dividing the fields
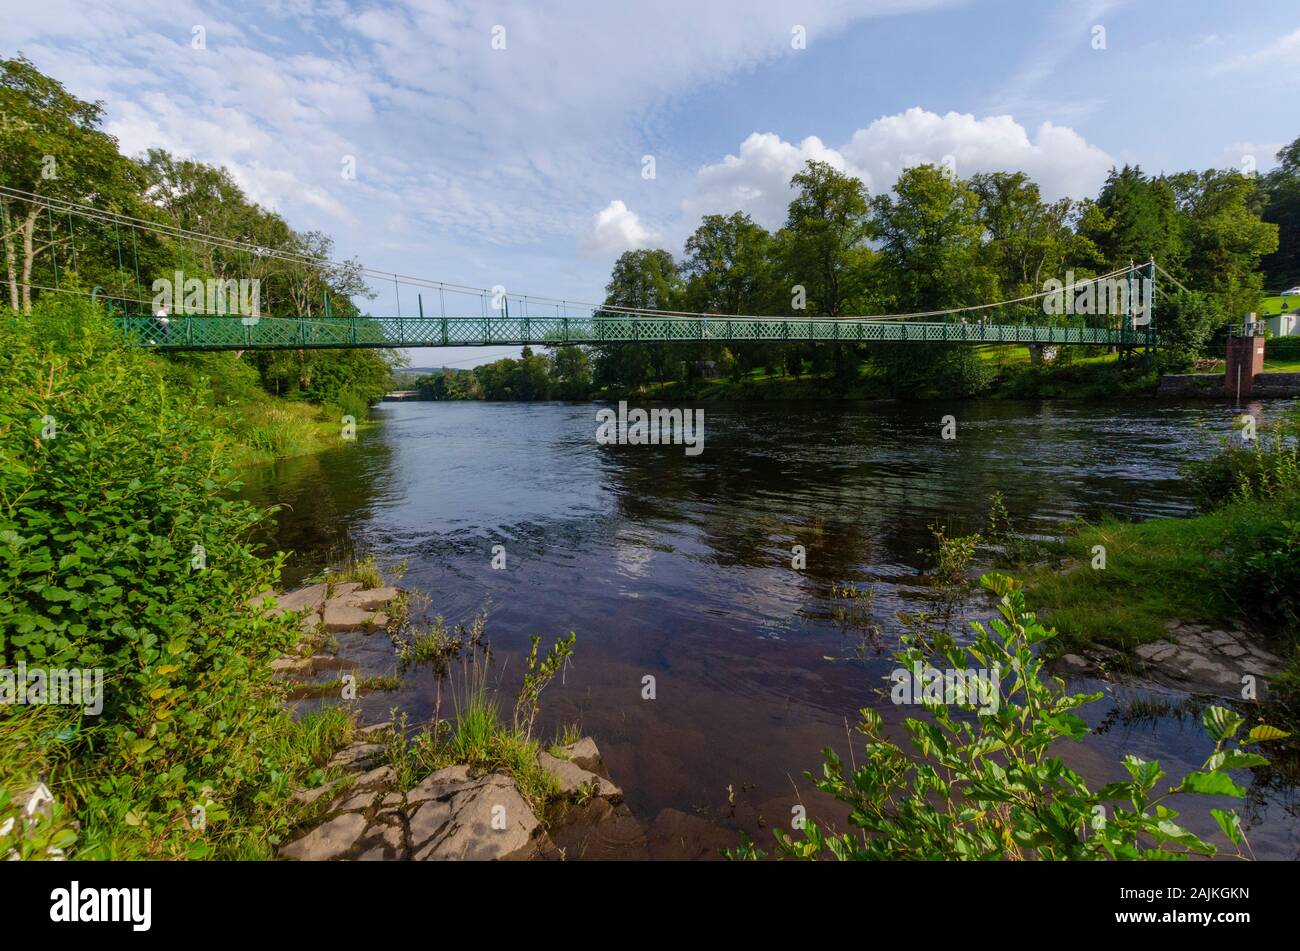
x=1187 y=320
x=930 y=237
x=1010 y=547
x=450 y=385
x=823 y=246
x=1027 y=239
x=569 y=372
x=524 y=379
x=1259 y=468
x=53 y=147
x=988 y=785
x=55 y=127
x=1136 y=220
x=951 y=556
x=476 y=735
x=728 y=265
x=1261 y=567
x=1281 y=193
x=537 y=675
x=853 y=611
x=1224 y=236
x=99 y=522
x=365 y=571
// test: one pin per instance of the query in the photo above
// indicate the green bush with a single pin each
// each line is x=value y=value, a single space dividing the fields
x=1260 y=468
x=351 y=403
x=1185 y=322
x=121 y=549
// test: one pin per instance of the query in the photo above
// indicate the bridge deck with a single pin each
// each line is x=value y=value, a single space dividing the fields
x=294 y=333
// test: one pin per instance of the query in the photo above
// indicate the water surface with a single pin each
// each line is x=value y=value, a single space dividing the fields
x=679 y=568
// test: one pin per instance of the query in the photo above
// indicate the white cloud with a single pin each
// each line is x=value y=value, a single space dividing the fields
x=1278 y=57
x=615 y=229
x=475 y=146
x=757 y=180
x=1056 y=157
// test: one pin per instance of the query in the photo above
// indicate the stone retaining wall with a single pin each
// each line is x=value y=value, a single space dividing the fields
x=1210 y=386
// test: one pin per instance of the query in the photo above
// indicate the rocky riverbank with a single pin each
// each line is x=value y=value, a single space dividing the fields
x=365 y=812
x=1195 y=658
x=450 y=814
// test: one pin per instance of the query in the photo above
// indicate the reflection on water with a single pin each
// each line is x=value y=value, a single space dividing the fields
x=679 y=567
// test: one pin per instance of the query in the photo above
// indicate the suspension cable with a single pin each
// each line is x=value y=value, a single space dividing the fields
x=183 y=235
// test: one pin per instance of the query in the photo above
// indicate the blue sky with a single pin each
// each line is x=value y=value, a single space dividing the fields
x=523 y=166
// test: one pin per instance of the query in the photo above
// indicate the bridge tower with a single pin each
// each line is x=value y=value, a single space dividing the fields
x=1245 y=361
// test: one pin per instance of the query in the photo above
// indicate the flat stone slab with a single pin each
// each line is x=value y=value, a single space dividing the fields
x=302 y=667
x=329 y=840
x=357 y=756
x=383 y=843
x=307 y=599
x=374 y=730
x=308 y=796
x=371 y=599
x=291 y=666
x=1195 y=658
x=481 y=820
x=378 y=778
x=338 y=616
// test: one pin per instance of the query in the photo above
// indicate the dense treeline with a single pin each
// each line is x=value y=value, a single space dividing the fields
x=934 y=242
x=55 y=150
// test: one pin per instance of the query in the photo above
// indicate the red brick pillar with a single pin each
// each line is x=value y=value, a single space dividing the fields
x=1245 y=360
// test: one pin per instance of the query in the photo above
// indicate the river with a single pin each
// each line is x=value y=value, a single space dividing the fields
x=678 y=567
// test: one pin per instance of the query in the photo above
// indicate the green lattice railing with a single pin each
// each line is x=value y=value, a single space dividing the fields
x=294 y=333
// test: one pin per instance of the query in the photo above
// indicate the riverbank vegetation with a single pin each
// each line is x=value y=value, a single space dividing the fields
x=936 y=243
x=1122 y=584
x=1113 y=585
x=195 y=225
x=476 y=733
x=977 y=783
x=122 y=552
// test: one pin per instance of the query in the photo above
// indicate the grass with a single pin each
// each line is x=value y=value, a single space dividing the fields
x=569 y=734
x=242 y=830
x=267 y=428
x=1272 y=306
x=1155 y=571
x=384 y=682
x=478 y=737
x=365 y=572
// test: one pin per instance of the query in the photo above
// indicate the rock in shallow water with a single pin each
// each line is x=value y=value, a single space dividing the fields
x=573 y=779
x=338 y=616
x=371 y=599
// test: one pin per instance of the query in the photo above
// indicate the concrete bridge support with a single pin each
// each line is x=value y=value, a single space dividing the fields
x=1245 y=361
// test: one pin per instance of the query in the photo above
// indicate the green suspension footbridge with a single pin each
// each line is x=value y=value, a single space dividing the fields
x=301 y=333
x=542 y=321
